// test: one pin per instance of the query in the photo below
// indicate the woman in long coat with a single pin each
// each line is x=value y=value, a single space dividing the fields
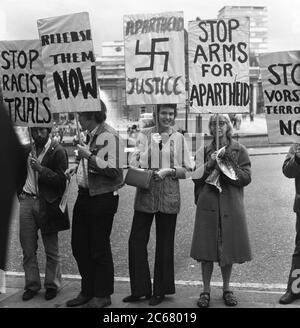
x=220 y=232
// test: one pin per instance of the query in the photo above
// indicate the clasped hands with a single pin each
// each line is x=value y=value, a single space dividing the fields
x=162 y=173
x=34 y=163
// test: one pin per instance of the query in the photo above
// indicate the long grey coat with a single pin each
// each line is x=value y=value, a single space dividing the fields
x=228 y=207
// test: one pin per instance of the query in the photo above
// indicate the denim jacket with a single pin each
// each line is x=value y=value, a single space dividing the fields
x=105 y=145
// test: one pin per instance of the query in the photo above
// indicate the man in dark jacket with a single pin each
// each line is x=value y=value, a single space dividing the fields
x=12 y=166
x=291 y=169
x=39 y=209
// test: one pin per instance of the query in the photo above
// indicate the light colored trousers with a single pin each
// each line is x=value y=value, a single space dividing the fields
x=29 y=218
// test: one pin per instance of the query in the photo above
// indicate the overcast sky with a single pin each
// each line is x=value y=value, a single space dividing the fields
x=18 y=18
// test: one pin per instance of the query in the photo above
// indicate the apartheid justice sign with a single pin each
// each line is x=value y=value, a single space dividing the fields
x=280 y=72
x=154 y=58
x=23 y=83
x=68 y=57
x=219 y=66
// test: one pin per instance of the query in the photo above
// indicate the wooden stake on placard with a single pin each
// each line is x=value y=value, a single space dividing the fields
x=77 y=129
x=80 y=143
x=157 y=128
x=34 y=153
x=156 y=118
x=217 y=133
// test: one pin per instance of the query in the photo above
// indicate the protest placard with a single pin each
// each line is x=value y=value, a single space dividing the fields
x=23 y=83
x=154 y=58
x=219 y=66
x=68 y=56
x=280 y=73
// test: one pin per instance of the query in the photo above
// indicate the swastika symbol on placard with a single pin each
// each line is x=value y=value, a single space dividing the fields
x=152 y=53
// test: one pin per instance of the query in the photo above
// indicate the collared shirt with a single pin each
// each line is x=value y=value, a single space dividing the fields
x=31 y=182
x=82 y=171
x=174 y=151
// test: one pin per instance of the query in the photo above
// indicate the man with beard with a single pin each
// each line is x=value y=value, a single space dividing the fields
x=39 y=210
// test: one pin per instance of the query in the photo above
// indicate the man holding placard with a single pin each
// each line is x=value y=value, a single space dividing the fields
x=39 y=210
x=99 y=177
x=291 y=169
x=25 y=93
x=280 y=81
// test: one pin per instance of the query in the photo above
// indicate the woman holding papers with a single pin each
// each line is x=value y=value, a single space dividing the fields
x=220 y=232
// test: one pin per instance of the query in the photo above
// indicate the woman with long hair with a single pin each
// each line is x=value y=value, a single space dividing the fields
x=164 y=151
x=220 y=232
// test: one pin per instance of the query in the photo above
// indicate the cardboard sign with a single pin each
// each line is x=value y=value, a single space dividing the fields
x=23 y=83
x=68 y=56
x=154 y=58
x=219 y=66
x=280 y=73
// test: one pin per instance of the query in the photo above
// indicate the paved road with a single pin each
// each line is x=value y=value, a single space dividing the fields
x=268 y=199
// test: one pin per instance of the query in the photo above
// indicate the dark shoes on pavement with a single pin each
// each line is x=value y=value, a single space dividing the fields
x=288 y=297
x=79 y=300
x=132 y=298
x=28 y=294
x=155 y=299
x=203 y=301
x=50 y=294
x=98 y=302
x=229 y=298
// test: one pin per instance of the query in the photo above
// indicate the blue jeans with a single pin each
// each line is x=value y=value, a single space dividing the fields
x=29 y=218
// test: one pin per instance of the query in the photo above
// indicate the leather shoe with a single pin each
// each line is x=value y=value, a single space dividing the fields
x=50 y=293
x=132 y=298
x=155 y=300
x=28 y=294
x=98 y=302
x=79 y=300
x=288 y=297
